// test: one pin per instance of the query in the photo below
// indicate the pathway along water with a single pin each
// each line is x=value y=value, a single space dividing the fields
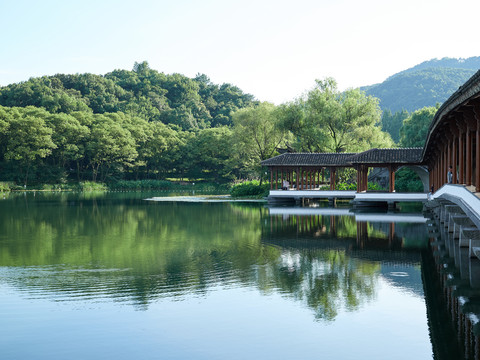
x=114 y=276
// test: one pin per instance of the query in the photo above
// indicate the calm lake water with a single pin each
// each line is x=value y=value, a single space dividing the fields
x=112 y=276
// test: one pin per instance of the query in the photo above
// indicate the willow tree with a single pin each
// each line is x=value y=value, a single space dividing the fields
x=327 y=120
x=257 y=135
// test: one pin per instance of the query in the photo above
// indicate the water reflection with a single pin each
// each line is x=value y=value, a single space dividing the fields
x=115 y=248
x=335 y=257
x=452 y=287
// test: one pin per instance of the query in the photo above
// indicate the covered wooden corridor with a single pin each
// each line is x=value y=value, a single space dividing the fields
x=453 y=140
x=315 y=171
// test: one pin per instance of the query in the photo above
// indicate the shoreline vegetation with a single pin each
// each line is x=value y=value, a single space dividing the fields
x=245 y=190
x=251 y=189
x=89 y=132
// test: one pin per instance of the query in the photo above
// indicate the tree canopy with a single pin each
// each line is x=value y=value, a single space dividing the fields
x=171 y=98
x=415 y=128
x=144 y=124
x=327 y=120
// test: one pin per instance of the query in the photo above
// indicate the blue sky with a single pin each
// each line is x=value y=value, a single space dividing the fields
x=273 y=49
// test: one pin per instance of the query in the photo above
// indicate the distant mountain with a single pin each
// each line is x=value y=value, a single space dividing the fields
x=425 y=84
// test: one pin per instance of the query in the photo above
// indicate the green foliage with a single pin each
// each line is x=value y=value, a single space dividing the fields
x=326 y=120
x=5 y=186
x=92 y=186
x=209 y=154
x=257 y=134
x=143 y=92
x=407 y=180
x=141 y=185
x=414 y=131
x=345 y=186
x=353 y=186
x=392 y=123
x=250 y=189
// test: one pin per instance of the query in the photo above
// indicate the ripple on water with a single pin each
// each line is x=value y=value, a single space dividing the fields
x=63 y=284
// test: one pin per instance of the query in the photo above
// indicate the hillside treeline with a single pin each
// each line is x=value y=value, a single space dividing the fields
x=144 y=124
x=154 y=96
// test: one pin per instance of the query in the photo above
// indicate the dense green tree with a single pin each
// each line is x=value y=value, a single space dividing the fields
x=392 y=123
x=327 y=120
x=211 y=154
x=111 y=147
x=46 y=92
x=143 y=92
x=257 y=135
x=415 y=128
x=69 y=138
x=163 y=150
x=308 y=135
x=28 y=139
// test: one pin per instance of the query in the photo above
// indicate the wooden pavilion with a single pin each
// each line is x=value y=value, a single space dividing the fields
x=306 y=171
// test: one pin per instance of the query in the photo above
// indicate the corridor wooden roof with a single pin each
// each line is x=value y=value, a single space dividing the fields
x=372 y=156
x=388 y=156
x=309 y=159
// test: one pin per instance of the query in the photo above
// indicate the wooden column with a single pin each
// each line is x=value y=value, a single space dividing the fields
x=390 y=179
x=332 y=178
x=443 y=158
x=296 y=178
x=460 y=158
x=477 y=149
x=364 y=185
x=449 y=152
x=468 y=158
x=430 y=176
x=434 y=181
x=446 y=162
x=276 y=178
x=391 y=182
x=271 y=178
x=365 y=179
x=438 y=167
x=358 y=178
x=471 y=123
x=455 y=140
x=300 y=187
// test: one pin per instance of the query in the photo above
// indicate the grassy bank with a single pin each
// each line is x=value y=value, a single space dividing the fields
x=123 y=185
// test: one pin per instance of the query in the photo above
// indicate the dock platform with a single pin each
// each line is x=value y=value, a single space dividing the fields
x=361 y=198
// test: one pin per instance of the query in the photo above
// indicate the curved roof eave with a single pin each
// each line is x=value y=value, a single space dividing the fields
x=464 y=93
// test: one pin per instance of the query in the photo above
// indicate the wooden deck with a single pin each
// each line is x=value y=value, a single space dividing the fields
x=357 y=198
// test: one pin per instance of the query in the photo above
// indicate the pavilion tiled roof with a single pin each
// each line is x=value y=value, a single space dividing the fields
x=388 y=156
x=373 y=156
x=309 y=159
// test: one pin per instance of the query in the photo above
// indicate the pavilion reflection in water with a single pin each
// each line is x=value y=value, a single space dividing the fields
x=451 y=279
x=334 y=227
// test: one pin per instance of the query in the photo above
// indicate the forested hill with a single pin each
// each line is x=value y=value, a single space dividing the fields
x=189 y=103
x=425 y=84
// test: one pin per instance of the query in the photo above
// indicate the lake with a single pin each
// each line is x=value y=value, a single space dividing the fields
x=113 y=276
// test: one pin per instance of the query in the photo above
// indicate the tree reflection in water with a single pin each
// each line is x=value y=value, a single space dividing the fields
x=137 y=252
